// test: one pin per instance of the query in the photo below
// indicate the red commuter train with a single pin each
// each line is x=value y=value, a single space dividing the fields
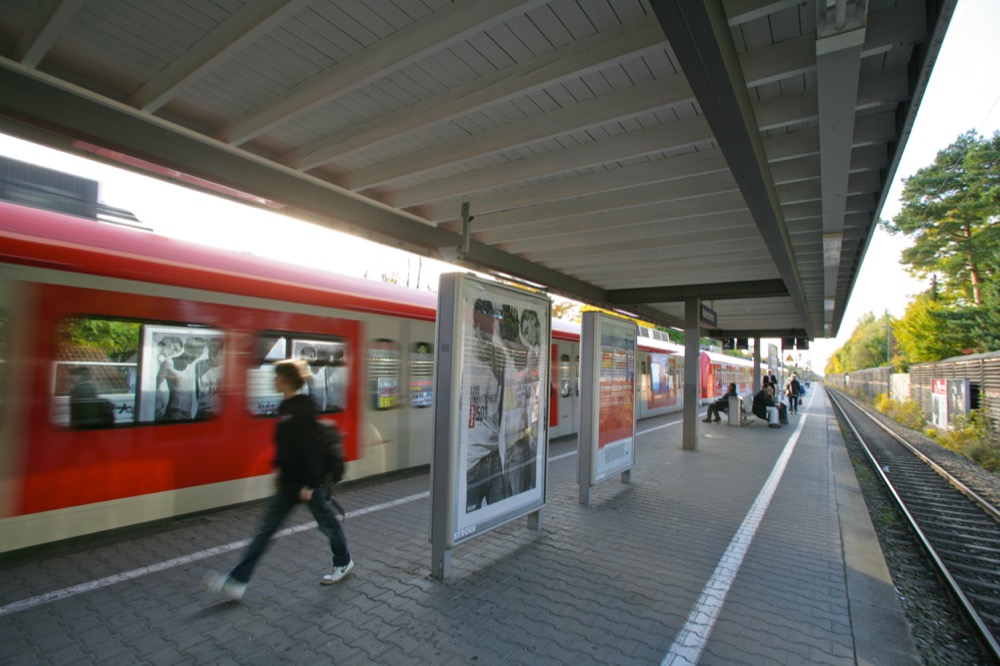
x=135 y=379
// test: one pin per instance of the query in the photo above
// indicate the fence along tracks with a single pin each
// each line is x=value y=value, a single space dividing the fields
x=959 y=529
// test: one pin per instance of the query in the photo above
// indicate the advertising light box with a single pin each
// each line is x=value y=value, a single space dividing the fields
x=607 y=425
x=491 y=411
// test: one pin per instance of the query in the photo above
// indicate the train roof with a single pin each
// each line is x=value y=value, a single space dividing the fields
x=47 y=239
x=726 y=358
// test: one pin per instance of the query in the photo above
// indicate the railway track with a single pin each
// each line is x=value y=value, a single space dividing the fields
x=957 y=526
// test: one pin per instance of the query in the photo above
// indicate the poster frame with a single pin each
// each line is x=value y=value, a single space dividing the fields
x=597 y=329
x=451 y=521
x=150 y=391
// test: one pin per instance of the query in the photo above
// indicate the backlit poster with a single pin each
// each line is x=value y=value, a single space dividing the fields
x=939 y=403
x=182 y=373
x=662 y=381
x=607 y=398
x=616 y=423
x=498 y=407
x=958 y=401
x=949 y=402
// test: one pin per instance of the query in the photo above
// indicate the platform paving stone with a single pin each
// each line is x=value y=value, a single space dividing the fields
x=610 y=583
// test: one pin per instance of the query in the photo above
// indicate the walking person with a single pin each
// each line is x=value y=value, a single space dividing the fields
x=300 y=465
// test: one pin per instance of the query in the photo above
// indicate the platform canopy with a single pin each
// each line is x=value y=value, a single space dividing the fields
x=631 y=154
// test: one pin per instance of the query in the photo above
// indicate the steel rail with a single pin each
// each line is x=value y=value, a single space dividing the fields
x=989 y=641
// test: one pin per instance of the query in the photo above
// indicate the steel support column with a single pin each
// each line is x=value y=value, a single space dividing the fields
x=692 y=365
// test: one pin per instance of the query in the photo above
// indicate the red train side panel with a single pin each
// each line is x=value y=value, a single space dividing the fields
x=65 y=467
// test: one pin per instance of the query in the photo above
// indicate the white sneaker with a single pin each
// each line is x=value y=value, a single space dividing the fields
x=337 y=574
x=224 y=585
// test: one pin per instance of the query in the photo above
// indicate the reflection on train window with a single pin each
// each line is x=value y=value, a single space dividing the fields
x=182 y=373
x=4 y=337
x=576 y=374
x=383 y=373
x=327 y=383
x=95 y=374
x=565 y=388
x=422 y=375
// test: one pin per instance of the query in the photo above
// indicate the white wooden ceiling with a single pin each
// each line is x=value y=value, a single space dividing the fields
x=627 y=153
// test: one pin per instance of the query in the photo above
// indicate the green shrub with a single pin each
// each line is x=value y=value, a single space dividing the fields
x=886 y=517
x=986 y=455
x=971 y=438
x=905 y=412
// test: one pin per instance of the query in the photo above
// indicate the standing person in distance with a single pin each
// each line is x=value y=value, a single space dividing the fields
x=794 y=393
x=300 y=465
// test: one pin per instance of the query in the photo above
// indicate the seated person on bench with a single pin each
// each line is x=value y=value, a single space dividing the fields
x=763 y=405
x=720 y=405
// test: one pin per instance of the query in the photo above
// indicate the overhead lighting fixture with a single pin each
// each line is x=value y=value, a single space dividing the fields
x=835 y=17
x=832 y=245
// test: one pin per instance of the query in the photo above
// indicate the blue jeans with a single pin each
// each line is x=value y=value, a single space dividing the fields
x=280 y=505
x=485 y=481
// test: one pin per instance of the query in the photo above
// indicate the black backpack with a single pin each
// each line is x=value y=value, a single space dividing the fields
x=333 y=453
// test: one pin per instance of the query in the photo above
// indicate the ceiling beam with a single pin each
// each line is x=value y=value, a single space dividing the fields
x=680 y=167
x=241 y=29
x=641 y=195
x=840 y=35
x=721 y=290
x=42 y=30
x=577 y=58
x=648 y=97
x=435 y=32
x=673 y=136
x=699 y=33
x=654 y=213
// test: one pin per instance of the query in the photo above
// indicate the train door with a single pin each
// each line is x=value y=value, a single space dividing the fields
x=642 y=384
x=383 y=442
x=417 y=393
x=565 y=389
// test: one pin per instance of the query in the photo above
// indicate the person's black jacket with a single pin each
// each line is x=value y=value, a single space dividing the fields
x=761 y=401
x=795 y=387
x=298 y=456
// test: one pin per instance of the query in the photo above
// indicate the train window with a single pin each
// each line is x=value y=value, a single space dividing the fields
x=383 y=373
x=422 y=375
x=112 y=372
x=4 y=337
x=95 y=374
x=576 y=374
x=327 y=383
x=565 y=388
x=182 y=373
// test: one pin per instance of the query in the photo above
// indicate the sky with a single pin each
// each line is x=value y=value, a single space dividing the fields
x=963 y=94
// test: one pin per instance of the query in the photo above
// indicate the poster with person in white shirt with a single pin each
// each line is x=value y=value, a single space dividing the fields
x=502 y=370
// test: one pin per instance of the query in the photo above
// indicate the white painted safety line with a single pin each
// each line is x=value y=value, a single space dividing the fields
x=691 y=639
x=56 y=595
x=664 y=425
x=659 y=427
